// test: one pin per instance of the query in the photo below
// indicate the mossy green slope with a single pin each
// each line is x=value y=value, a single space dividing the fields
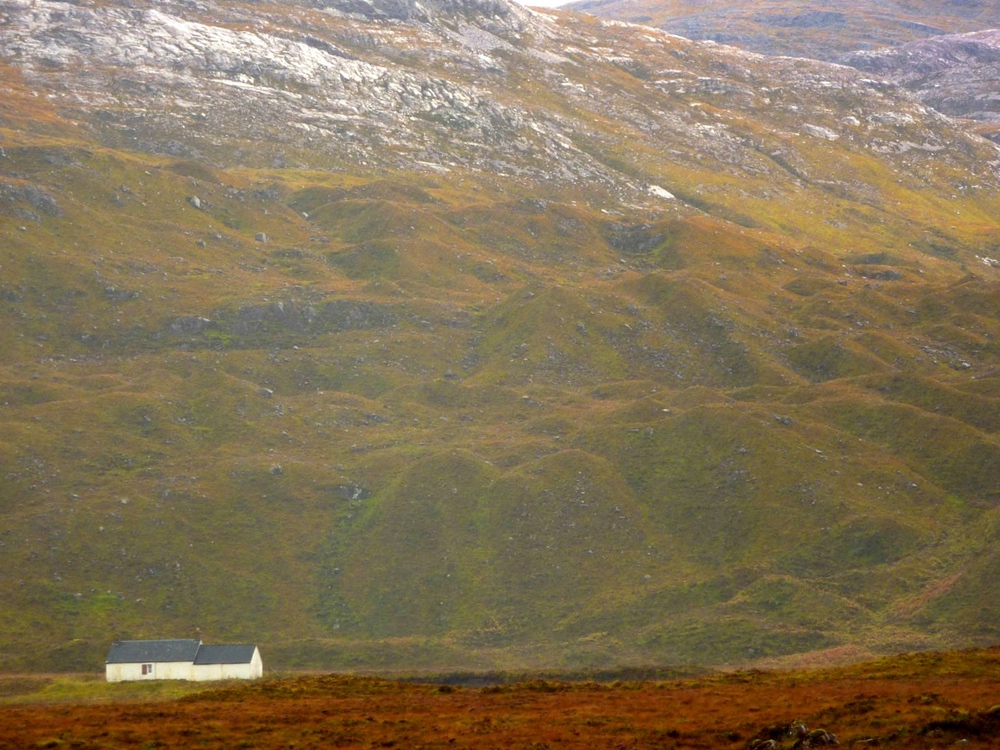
x=417 y=423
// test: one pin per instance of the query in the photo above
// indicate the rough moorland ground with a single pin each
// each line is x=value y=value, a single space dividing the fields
x=915 y=701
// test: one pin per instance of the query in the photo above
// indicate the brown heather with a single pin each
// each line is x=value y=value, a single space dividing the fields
x=921 y=701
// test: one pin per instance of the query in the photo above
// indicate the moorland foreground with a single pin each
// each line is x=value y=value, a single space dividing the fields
x=915 y=700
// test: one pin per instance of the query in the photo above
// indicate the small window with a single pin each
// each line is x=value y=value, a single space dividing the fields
x=147 y=669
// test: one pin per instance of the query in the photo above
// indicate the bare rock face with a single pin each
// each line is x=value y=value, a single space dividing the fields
x=328 y=80
x=482 y=85
x=946 y=53
x=956 y=74
x=409 y=10
x=26 y=201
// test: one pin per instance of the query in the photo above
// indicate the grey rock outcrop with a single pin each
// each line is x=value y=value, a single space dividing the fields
x=956 y=74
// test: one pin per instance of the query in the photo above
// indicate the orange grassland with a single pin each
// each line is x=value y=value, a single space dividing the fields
x=914 y=701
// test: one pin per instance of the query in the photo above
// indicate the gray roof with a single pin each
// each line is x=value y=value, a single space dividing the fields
x=131 y=652
x=226 y=654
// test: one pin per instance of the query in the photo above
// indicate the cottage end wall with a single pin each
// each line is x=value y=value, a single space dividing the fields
x=256 y=666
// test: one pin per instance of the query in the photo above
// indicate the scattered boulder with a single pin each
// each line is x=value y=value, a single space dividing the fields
x=36 y=198
x=347 y=315
x=774 y=737
x=191 y=324
x=351 y=492
x=816 y=738
x=114 y=294
x=339 y=315
x=882 y=274
x=281 y=315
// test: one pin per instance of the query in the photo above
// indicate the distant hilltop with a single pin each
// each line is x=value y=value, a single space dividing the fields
x=801 y=28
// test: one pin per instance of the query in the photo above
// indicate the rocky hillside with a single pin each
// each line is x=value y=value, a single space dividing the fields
x=803 y=28
x=910 y=44
x=957 y=74
x=457 y=334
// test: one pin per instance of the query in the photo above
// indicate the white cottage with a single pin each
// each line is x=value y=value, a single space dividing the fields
x=181 y=659
x=227 y=662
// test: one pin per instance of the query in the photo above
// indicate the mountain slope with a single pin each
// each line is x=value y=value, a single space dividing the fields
x=956 y=74
x=461 y=335
x=802 y=28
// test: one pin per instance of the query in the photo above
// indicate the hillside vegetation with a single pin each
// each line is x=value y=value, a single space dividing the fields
x=531 y=356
